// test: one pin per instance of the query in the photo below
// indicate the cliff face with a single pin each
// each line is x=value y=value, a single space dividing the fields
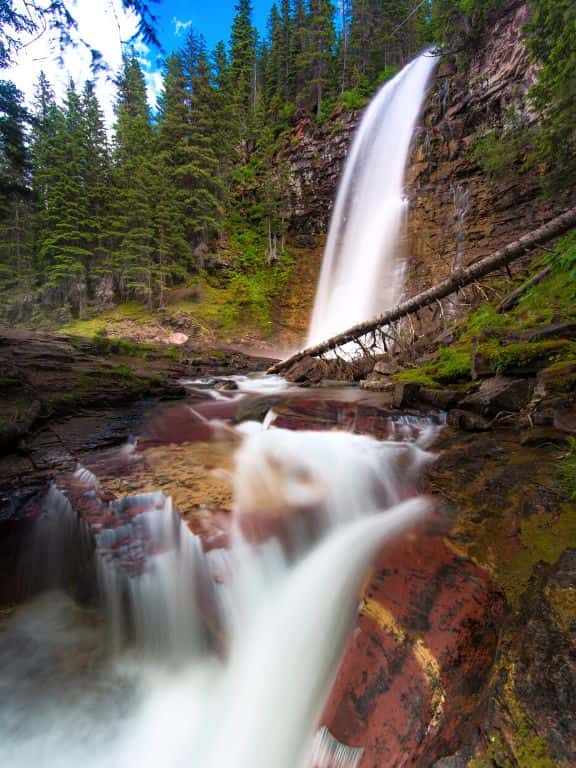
x=457 y=214
x=315 y=157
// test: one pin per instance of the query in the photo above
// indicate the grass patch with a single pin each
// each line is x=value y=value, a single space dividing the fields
x=90 y=327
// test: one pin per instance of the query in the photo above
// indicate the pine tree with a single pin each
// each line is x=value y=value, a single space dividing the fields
x=243 y=71
x=552 y=39
x=319 y=53
x=186 y=141
x=15 y=202
x=226 y=130
x=62 y=241
x=132 y=261
x=272 y=65
x=97 y=180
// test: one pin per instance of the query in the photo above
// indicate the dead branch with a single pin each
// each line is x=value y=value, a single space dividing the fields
x=466 y=276
x=513 y=298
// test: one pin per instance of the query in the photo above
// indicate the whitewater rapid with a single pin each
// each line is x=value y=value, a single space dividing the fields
x=283 y=604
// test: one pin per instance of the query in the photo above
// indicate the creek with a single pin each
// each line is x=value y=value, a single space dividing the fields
x=205 y=651
x=219 y=645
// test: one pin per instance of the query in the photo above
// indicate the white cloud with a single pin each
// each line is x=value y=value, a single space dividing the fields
x=181 y=26
x=103 y=26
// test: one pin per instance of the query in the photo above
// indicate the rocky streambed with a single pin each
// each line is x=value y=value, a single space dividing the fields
x=463 y=651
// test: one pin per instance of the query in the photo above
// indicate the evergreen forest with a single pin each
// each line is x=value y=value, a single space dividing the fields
x=91 y=217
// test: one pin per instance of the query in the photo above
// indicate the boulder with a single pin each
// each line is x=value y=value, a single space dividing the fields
x=307 y=370
x=379 y=384
x=468 y=421
x=439 y=398
x=481 y=365
x=558 y=378
x=564 y=419
x=542 y=436
x=177 y=338
x=386 y=367
x=500 y=393
x=405 y=393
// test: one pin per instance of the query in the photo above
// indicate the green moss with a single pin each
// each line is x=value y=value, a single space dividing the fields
x=91 y=327
x=501 y=152
x=520 y=354
x=523 y=747
x=560 y=377
x=484 y=318
x=563 y=603
x=567 y=471
x=530 y=750
x=495 y=527
x=416 y=376
x=495 y=754
x=452 y=364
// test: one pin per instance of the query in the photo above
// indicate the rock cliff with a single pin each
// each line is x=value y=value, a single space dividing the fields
x=457 y=213
x=315 y=156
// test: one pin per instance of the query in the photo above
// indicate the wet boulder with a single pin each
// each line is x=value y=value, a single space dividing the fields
x=421 y=653
x=500 y=393
x=443 y=399
x=467 y=420
x=309 y=370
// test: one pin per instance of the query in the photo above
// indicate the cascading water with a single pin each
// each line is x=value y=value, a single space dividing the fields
x=226 y=657
x=361 y=274
x=279 y=601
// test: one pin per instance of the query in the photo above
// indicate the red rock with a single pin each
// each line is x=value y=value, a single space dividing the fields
x=423 y=646
x=183 y=424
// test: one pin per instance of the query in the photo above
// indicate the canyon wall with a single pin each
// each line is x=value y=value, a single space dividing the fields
x=457 y=213
x=315 y=156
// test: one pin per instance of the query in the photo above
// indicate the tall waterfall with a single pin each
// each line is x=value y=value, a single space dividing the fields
x=224 y=658
x=361 y=273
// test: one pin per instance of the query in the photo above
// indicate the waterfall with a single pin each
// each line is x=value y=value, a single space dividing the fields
x=361 y=273
x=223 y=657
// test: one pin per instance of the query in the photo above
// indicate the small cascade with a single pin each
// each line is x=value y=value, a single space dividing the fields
x=226 y=655
x=328 y=752
x=361 y=273
x=149 y=571
x=461 y=200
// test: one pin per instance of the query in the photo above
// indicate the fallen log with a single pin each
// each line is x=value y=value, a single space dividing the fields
x=510 y=301
x=455 y=282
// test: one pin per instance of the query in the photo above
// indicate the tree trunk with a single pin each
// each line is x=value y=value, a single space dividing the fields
x=457 y=280
x=513 y=298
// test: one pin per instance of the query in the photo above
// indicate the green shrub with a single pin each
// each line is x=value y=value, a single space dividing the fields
x=353 y=99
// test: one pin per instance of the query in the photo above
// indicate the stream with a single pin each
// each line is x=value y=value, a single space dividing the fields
x=252 y=578
x=222 y=647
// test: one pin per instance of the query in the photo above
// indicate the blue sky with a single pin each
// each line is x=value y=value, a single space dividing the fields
x=105 y=26
x=213 y=18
